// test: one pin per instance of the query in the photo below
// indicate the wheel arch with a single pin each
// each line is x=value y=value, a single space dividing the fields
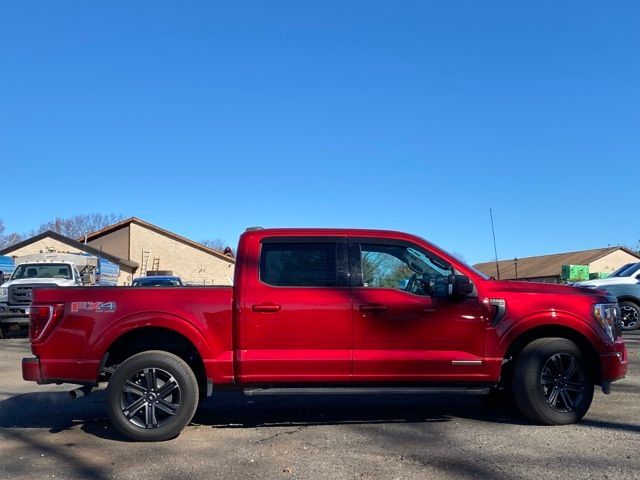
x=629 y=298
x=552 y=331
x=151 y=337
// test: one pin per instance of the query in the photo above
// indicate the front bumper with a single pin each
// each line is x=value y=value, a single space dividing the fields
x=613 y=364
x=14 y=314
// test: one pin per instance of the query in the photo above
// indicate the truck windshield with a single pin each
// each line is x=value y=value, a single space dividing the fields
x=42 y=270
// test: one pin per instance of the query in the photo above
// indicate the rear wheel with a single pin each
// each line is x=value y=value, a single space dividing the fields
x=630 y=316
x=152 y=396
x=552 y=384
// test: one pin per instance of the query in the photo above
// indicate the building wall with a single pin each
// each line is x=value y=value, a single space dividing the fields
x=116 y=243
x=612 y=261
x=125 y=277
x=51 y=245
x=44 y=245
x=189 y=263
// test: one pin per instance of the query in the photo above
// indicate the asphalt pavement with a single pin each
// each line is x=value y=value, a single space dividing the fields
x=44 y=434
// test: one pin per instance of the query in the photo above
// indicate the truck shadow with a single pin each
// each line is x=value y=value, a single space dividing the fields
x=232 y=410
x=56 y=412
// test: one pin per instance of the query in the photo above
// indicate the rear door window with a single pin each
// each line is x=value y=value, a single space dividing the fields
x=305 y=264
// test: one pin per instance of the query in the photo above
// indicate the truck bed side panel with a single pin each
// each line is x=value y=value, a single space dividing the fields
x=74 y=348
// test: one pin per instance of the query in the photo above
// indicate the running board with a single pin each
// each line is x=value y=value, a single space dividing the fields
x=251 y=392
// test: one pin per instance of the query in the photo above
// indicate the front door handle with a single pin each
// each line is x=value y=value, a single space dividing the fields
x=266 y=308
x=373 y=309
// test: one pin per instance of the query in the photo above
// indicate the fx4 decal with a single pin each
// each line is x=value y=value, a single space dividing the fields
x=99 y=307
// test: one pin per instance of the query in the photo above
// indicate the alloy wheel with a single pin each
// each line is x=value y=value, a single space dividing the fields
x=150 y=398
x=563 y=382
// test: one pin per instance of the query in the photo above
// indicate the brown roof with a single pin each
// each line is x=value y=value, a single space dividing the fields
x=547 y=265
x=72 y=243
x=162 y=231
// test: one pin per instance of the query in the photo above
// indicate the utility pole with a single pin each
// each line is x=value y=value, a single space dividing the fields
x=495 y=248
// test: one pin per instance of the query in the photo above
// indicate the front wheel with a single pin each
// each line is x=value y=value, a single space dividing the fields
x=552 y=384
x=152 y=396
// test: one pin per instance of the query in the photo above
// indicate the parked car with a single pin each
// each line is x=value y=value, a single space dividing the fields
x=624 y=284
x=627 y=274
x=330 y=310
x=628 y=295
x=157 y=281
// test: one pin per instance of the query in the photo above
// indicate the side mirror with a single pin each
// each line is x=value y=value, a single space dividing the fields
x=460 y=285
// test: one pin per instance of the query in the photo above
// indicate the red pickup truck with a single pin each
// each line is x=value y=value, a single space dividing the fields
x=328 y=310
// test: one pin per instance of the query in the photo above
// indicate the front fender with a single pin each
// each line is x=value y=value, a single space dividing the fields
x=510 y=331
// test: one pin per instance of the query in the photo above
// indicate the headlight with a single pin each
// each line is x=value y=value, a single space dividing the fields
x=4 y=294
x=608 y=316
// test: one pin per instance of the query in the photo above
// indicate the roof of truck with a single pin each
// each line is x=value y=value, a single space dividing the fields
x=347 y=232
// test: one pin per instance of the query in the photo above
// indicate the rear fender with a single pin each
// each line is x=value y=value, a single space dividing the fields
x=152 y=319
x=217 y=367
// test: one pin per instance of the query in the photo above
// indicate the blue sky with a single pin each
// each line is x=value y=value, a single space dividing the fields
x=207 y=117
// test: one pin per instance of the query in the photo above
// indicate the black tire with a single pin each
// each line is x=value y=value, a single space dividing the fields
x=630 y=316
x=4 y=332
x=157 y=413
x=552 y=383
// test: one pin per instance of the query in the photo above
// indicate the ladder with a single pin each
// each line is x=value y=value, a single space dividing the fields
x=156 y=264
x=145 y=262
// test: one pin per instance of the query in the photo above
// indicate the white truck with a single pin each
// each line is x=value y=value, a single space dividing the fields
x=42 y=270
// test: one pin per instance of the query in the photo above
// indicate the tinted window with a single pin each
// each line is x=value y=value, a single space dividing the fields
x=299 y=264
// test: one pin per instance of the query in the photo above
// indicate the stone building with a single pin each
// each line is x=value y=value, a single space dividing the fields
x=157 y=251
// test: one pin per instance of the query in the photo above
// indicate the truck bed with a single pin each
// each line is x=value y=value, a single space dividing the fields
x=94 y=317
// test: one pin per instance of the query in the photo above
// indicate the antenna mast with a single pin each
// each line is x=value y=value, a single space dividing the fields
x=495 y=249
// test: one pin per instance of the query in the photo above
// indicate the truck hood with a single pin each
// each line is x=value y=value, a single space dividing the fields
x=544 y=288
x=60 y=282
x=608 y=281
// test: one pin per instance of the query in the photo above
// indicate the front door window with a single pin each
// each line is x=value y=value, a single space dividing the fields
x=404 y=268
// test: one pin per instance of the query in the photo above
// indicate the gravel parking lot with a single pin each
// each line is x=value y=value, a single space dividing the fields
x=43 y=434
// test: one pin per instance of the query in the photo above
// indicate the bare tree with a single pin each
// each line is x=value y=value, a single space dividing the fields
x=74 y=227
x=218 y=244
x=9 y=239
x=79 y=225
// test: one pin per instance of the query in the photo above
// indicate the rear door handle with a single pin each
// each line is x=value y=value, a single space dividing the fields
x=266 y=308
x=373 y=309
